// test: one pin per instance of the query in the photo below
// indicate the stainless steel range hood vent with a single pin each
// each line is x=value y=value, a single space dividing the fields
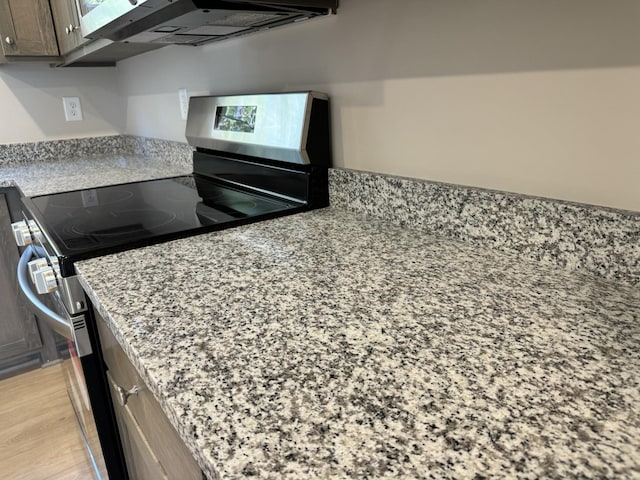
x=197 y=22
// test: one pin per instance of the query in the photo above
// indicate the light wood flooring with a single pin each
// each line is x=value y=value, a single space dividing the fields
x=39 y=437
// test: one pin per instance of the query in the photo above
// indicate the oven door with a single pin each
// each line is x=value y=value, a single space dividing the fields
x=74 y=329
x=79 y=396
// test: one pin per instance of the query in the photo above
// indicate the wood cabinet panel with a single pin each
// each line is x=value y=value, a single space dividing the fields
x=26 y=28
x=163 y=440
x=67 y=23
x=142 y=464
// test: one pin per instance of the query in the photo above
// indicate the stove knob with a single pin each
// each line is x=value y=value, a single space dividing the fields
x=45 y=280
x=35 y=265
x=24 y=233
x=21 y=233
x=35 y=231
x=40 y=264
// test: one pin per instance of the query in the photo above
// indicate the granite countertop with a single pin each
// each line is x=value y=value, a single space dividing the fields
x=330 y=345
x=327 y=345
x=59 y=176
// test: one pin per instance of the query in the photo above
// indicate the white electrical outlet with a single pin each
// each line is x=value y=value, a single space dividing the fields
x=72 y=109
x=183 y=98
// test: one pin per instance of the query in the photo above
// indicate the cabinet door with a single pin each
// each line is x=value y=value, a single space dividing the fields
x=65 y=18
x=142 y=464
x=26 y=28
x=18 y=329
x=163 y=440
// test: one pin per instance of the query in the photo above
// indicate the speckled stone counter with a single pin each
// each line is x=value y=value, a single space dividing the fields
x=331 y=345
x=327 y=345
x=59 y=176
x=40 y=168
x=600 y=240
x=24 y=154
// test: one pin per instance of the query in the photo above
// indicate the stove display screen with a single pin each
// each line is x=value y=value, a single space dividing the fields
x=236 y=118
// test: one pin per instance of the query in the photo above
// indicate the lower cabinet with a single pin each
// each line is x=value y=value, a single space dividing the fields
x=152 y=447
x=142 y=463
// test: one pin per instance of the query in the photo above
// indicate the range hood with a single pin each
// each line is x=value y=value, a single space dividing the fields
x=197 y=22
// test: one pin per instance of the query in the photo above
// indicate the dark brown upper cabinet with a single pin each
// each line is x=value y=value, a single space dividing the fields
x=26 y=29
x=67 y=23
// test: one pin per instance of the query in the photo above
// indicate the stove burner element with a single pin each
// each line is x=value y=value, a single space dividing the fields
x=123 y=223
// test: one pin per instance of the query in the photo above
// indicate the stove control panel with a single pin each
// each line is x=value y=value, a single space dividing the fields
x=44 y=274
x=40 y=264
x=45 y=280
x=24 y=232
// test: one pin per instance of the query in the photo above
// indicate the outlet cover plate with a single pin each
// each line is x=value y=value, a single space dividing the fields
x=183 y=98
x=72 y=109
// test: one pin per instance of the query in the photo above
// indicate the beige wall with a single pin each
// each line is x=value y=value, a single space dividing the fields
x=541 y=97
x=31 y=103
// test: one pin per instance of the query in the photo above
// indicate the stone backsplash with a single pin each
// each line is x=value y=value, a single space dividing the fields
x=603 y=241
x=19 y=154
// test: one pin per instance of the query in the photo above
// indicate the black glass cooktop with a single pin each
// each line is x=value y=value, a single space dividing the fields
x=132 y=214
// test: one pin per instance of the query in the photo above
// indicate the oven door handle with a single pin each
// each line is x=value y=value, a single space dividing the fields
x=57 y=322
